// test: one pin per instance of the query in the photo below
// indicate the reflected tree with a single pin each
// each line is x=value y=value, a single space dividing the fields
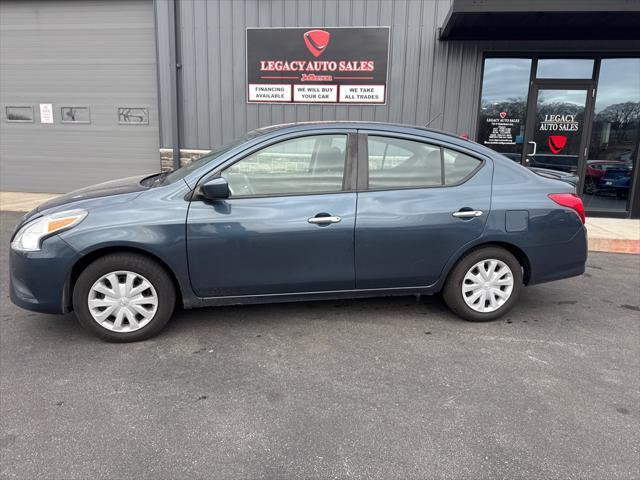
x=622 y=117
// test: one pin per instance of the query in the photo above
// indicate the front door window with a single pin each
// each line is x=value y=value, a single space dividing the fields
x=558 y=127
x=313 y=164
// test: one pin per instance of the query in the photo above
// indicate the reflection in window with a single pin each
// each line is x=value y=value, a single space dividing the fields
x=615 y=135
x=565 y=68
x=19 y=114
x=503 y=106
x=75 y=114
x=133 y=115
x=302 y=165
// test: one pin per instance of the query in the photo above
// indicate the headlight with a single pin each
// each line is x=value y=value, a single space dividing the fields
x=30 y=236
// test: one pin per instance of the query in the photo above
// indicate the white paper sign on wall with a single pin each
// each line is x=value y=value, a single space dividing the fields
x=46 y=113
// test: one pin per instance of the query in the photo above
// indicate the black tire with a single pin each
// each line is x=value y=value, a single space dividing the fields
x=139 y=264
x=452 y=292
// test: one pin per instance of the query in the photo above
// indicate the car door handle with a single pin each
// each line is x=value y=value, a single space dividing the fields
x=321 y=220
x=467 y=213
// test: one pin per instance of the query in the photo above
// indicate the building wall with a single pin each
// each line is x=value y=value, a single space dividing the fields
x=427 y=78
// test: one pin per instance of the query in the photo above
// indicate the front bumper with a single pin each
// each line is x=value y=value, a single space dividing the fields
x=38 y=280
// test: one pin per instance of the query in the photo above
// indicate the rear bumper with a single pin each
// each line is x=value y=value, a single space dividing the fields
x=558 y=260
x=37 y=280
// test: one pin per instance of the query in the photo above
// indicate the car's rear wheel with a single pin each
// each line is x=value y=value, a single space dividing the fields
x=484 y=285
x=123 y=297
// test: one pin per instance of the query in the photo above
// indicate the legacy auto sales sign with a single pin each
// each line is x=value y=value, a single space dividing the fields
x=310 y=65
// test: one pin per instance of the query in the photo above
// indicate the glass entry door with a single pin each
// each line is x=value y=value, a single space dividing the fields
x=556 y=129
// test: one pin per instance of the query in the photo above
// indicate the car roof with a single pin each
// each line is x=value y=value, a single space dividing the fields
x=357 y=124
x=427 y=133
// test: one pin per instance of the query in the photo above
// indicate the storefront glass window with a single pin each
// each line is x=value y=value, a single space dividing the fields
x=558 y=128
x=565 y=68
x=503 y=106
x=615 y=135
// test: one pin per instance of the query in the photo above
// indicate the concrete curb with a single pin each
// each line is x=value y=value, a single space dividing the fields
x=614 y=245
x=613 y=235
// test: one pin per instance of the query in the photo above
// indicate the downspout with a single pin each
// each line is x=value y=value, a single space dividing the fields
x=174 y=65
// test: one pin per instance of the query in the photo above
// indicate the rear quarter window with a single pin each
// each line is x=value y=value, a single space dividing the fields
x=458 y=166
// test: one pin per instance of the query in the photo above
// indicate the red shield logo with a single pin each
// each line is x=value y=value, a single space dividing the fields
x=316 y=41
x=503 y=114
x=556 y=143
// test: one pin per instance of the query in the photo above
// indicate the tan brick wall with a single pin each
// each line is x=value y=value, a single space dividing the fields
x=186 y=157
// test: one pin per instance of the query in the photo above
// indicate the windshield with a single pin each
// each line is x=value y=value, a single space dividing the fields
x=215 y=153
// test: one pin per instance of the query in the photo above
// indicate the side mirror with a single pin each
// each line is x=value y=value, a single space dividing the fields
x=215 y=189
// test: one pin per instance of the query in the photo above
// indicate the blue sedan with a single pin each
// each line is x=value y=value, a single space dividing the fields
x=301 y=212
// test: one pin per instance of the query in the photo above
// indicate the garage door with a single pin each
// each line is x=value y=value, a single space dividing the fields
x=78 y=93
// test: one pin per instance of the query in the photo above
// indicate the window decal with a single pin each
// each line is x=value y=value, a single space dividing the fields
x=503 y=106
x=556 y=143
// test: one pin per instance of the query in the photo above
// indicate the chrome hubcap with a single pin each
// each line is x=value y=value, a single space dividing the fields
x=123 y=301
x=487 y=285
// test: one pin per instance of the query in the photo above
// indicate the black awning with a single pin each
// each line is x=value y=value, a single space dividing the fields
x=542 y=20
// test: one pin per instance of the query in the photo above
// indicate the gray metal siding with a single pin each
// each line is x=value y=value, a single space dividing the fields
x=426 y=77
x=100 y=54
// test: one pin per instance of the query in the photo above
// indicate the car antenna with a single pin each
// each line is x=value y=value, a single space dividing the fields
x=433 y=119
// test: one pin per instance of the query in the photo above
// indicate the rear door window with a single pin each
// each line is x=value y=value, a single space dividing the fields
x=402 y=163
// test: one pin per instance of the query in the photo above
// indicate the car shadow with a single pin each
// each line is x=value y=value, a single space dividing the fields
x=381 y=310
x=537 y=305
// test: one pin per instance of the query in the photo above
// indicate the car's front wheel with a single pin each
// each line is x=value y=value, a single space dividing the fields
x=484 y=285
x=123 y=297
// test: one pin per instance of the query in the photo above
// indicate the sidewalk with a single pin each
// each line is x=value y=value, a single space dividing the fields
x=22 y=202
x=605 y=234
x=614 y=235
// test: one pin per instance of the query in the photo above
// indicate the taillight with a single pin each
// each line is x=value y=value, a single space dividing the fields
x=570 y=200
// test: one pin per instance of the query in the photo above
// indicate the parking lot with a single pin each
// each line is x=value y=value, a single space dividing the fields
x=378 y=388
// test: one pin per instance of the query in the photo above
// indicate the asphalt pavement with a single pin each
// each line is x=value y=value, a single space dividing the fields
x=378 y=388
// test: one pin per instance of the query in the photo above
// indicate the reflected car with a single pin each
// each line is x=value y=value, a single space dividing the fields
x=619 y=182
x=597 y=170
x=567 y=177
x=301 y=212
x=564 y=163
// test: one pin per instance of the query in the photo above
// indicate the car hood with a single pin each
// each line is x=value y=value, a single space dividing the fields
x=106 y=189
